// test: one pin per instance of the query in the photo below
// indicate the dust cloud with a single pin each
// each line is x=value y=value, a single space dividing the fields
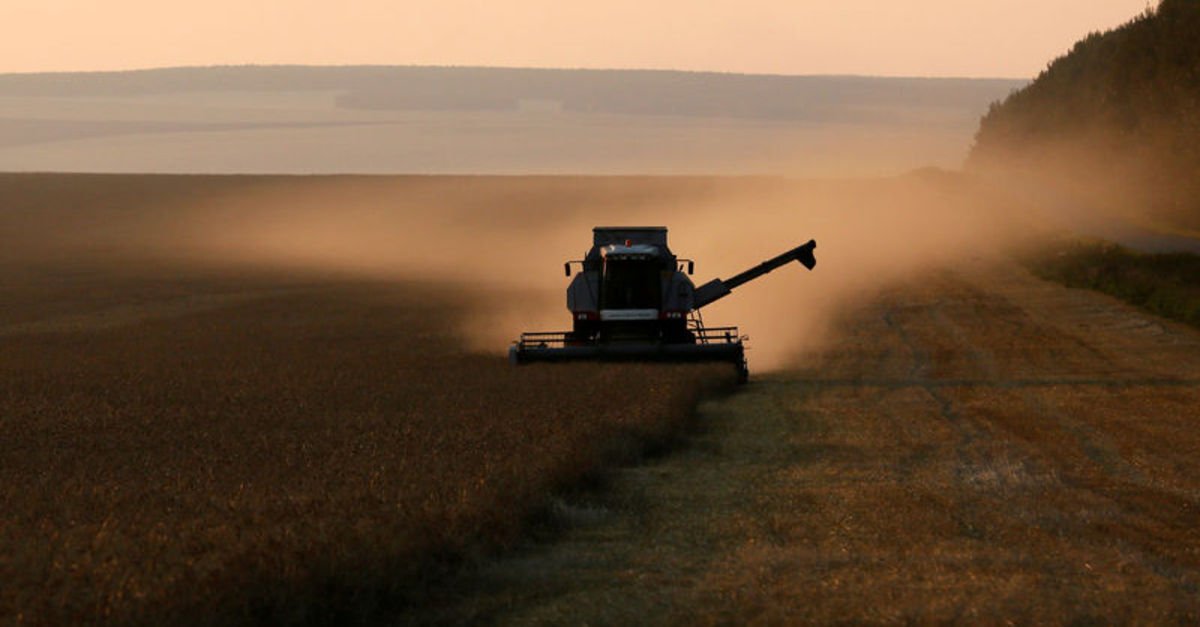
x=503 y=240
x=1099 y=181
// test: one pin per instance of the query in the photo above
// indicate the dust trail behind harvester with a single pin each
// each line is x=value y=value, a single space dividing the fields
x=503 y=240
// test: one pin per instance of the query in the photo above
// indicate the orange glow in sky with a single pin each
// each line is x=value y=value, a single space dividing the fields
x=1000 y=38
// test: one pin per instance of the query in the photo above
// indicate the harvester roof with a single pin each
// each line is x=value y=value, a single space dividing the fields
x=629 y=235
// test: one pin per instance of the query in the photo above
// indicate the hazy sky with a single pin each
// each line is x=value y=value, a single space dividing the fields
x=1009 y=38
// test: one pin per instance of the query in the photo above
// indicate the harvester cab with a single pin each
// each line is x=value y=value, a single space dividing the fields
x=633 y=299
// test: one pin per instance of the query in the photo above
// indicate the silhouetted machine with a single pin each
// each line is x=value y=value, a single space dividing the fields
x=633 y=301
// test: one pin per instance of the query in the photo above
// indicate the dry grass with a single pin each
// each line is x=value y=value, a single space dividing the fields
x=1165 y=284
x=299 y=455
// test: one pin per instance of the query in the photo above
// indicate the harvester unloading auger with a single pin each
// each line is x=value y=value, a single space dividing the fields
x=633 y=301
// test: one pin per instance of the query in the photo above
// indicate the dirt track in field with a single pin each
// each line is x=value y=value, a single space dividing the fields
x=978 y=446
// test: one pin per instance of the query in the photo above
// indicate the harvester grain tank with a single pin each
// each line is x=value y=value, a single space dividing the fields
x=633 y=300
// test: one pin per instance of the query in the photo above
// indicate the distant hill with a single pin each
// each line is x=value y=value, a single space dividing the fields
x=462 y=120
x=639 y=92
x=1122 y=107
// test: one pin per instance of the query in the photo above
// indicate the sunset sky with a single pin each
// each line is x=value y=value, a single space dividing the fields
x=995 y=38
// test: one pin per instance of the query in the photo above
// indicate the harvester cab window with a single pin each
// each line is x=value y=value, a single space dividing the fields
x=631 y=284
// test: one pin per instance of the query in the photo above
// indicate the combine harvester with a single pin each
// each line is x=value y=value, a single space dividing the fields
x=633 y=301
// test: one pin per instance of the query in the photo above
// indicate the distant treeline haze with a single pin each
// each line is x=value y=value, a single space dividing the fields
x=1123 y=106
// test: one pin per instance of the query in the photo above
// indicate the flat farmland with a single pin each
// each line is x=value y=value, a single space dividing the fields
x=284 y=399
x=217 y=443
x=301 y=454
x=979 y=446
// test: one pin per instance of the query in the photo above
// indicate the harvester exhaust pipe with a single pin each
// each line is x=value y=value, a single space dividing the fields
x=717 y=289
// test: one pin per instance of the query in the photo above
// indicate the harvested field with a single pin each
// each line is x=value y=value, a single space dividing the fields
x=980 y=446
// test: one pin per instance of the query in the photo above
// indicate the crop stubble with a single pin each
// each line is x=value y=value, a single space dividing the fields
x=979 y=446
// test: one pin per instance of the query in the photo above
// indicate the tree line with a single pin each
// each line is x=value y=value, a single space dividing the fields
x=1122 y=105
